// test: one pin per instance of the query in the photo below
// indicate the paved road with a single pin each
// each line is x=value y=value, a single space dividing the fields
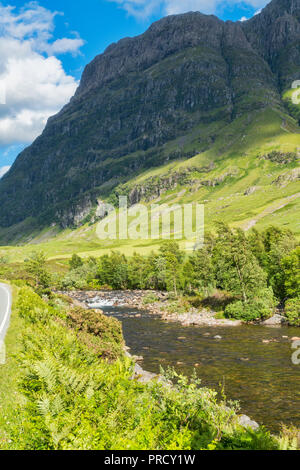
x=5 y=309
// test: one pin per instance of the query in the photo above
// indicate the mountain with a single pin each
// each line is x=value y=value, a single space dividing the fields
x=190 y=85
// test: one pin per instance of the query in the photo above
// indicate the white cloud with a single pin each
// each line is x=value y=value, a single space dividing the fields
x=143 y=9
x=173 y=7
x=140 y=9
x=33 y=83
x=4 y=170
x=61 y=46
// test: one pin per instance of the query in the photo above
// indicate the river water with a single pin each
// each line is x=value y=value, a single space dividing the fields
x=261 y=376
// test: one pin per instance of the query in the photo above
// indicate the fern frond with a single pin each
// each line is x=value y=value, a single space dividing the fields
x=44 y=406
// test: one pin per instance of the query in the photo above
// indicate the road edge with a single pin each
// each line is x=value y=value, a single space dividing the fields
x=6 y=320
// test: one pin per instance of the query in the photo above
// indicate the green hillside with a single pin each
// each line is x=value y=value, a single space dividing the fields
x=193 y=110
x=249 y=177
x=192 y=103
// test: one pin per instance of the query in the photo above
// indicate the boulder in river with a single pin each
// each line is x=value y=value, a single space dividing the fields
x=142 y=375
x=246 y=422
x=274 y=321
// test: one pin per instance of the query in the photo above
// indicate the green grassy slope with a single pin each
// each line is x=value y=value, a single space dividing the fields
x=232 y=179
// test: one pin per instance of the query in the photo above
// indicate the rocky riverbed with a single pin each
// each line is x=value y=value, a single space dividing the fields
x=138 y=300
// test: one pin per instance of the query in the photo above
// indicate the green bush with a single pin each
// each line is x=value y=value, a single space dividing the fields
x=100 y=333
x=31 y=307
x=94 y=284
x=150 y=298
x=75 y=262
x=235 y=310
x=180 y=306
x=251 y=311
x=19 y=283
x=292 y=311
x=258 y=308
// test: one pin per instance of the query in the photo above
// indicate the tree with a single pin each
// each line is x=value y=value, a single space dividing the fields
x=278 y=244
x=139 y=270
x=256 y=241
x=270 y=247
x=36 y=267
x=188 y=276
x=203 y=275
x=173 y=256
x=284 y=239
x=113 y=270
x=292 y=311
x=75 y=262
x=237 y=269
x=290 y=274
x=156 y=272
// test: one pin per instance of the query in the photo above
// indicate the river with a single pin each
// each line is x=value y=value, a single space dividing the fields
x=260 y=375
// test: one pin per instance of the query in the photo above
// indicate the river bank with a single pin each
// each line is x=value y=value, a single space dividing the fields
x=158 y=303
x=252 y=362
x=144 y=376
x=139 y=373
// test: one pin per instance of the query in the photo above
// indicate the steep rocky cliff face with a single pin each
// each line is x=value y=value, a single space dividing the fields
x=147 y=100
x=275 y=34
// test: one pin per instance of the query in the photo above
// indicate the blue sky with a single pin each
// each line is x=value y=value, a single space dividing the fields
x=45 y=45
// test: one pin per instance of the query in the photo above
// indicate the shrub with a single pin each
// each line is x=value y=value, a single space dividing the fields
x=94 y=284
x=100 y=333
x=36 y=267
x=220 y=315
x=79 y=277
x=31 y=307
x=150 y=298
x=292 y=311
x=19 y=283
x=180 y=306
x=256 y=309
x=75 y=262
x=235 y=310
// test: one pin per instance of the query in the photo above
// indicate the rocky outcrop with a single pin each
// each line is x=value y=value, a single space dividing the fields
x=250 y=191
x=155 y=187
x=275 y=34
x=288 y=177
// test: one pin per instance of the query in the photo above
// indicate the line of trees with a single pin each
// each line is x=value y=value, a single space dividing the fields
x=258 y=270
